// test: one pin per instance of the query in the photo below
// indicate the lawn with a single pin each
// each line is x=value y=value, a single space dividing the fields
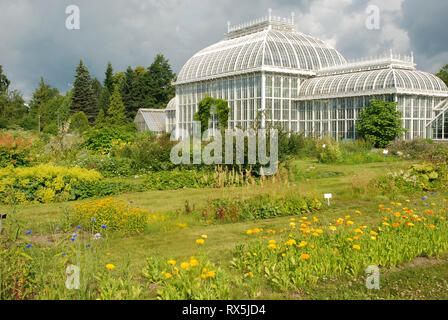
x=173 y=236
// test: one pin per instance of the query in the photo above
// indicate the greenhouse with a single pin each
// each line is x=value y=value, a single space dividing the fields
x=271 y=73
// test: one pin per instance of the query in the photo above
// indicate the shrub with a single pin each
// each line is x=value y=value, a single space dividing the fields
x=380 y=123
x=44 y=183
x=327 y=150
x=107 y=165
x=14 y=151
x=418 y=178
x=79 y=123
x=51 y=129
x=103 y=139
x=111 y=215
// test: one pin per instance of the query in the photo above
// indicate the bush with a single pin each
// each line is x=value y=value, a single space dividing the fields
x=79 y=123
x=420 y=149
x=108 y=166
x=44 y=184
x=51 y=129
x=111 y=215
x=327 y=150
x=103 y=139
x=14 y=151
x=418 y=178
x=174 y=180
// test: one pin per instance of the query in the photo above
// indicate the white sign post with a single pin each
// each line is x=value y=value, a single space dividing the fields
x=385 y=153
x=328 y=196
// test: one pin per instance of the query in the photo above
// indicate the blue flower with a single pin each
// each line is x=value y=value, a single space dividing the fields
x=103 y=226
x=89 y=246
x=29 y=232
x=29 y=246
x=73 y=239
x=425 y=198
x=64 y=254
x=433 y=193
x=415 y=204
x=74 y=235
x=58 y=227
x=93 y=220
x=78 y=227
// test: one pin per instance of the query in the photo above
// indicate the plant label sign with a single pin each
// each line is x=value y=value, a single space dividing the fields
x=328 y=196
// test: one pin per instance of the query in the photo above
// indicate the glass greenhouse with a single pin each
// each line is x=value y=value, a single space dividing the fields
x=268 y=71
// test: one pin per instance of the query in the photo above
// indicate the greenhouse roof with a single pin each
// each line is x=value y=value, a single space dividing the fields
x=373 y=82
x=265 y=44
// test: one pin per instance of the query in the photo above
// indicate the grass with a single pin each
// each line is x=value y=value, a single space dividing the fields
x=424 y=279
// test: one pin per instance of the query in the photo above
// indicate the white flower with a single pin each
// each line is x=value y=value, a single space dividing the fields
x=97 y=236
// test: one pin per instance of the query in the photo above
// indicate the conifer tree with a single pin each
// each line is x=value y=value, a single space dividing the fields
x=116 y=114
x=109 y=79
x=83 y=95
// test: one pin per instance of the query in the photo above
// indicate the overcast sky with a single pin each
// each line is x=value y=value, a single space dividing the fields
x=34 y=41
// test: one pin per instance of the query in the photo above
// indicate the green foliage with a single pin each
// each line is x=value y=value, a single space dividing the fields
x=109 y=80
x=420 y=149
x=108 y=166
x=260 y=207
x=328 y=150
x=205 y=111
x=15 y=151
x=83 y=95
x=51 y=129
x=79 y=123
x=174 y=180
x=102 y=139
x=380 y=123
x=44 y=184
x=443 y=74
x=4 y=82
x=417 y=178
x=158 y=89
x=116 y=113
x=104 y=101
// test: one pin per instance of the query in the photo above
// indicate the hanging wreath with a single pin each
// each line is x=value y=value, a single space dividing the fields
x=204 y=112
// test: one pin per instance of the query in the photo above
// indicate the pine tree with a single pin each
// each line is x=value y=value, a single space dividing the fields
x=43 y=94
x=116 y=114
x=109 y=80
x=158 y=83
x=127 y=93
x=104 y=101
x=83 y=95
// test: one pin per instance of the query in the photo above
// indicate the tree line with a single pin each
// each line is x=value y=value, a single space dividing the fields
x=114 y=101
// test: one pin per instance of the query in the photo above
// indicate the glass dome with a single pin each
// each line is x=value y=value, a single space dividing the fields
x=378 y=80
x=271 y=47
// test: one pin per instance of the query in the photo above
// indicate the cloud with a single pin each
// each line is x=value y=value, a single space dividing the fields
x=34 y=40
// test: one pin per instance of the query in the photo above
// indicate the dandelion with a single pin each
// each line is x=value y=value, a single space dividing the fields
x=211 y=274
x=251 y=274
x=291 y=242
x=110 y=267
x=204 y=236
x=185 y=265
x=171 y=262
x=168 y=275
x=200 y=241
x=194 y=263
x=356 y=247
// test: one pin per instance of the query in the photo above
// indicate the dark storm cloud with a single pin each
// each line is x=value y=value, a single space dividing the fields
x=427 y=26
x=34 y=41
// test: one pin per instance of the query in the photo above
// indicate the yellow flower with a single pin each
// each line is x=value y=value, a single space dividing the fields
x=171 y=262
x=272 y=246
x=204 y=270
x=194 y=263
x=211 y=274
x=349 y=239
x=185 y=265
x=373 y=233
x=359 y=231
x=200 y=241
x=358 y=212
x=110 y=267
x=291 y=242
x=303 y=244
x=168 y=275
x=356 y=247
x=204 y=236
x=251 y=274
x=203 y=276
x=332 y=228
x=305 y=256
